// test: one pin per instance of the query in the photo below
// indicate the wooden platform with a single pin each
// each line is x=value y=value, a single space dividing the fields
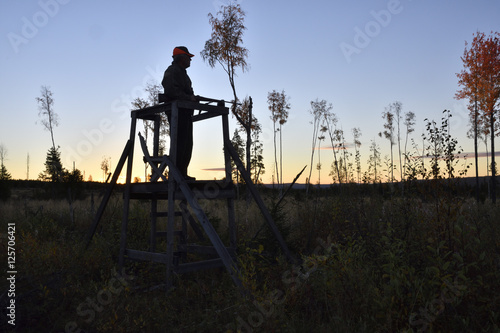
x=203 y=189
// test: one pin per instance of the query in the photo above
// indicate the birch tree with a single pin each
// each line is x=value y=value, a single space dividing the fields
x=318 y=108
x=278 y=105
x=409 y=123
x=374 y=162
x=225 y=47
x=388 y=133
x=397 y=108
x=356 y=133
x=330 y=121
x=49 y=118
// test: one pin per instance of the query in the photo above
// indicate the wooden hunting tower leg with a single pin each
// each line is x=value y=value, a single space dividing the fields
x=126 y=194
x=229 y=178
x=154 y=199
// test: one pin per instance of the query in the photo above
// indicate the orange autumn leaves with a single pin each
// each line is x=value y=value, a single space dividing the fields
x=480 y=78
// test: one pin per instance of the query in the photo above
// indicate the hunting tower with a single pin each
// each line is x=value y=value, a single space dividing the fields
x=180 y=197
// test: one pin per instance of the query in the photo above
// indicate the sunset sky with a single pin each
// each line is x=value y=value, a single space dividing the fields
x=97 y=56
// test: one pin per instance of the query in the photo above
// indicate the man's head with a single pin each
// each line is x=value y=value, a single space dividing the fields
x=182 y=56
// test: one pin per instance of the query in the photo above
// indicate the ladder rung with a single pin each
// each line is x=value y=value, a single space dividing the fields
x=147 y=256
x=179 y=268
x=201 y=249
x=194 y=266
x=158 y=159
x=164 y=233
x=165 y=214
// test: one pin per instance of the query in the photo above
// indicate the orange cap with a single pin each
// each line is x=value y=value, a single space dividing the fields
x=182 y=50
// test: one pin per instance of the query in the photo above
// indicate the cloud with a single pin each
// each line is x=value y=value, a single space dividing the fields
x=214 y=169
x=483 y=154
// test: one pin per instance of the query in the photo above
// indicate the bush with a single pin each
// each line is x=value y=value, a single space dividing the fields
x=5 y=191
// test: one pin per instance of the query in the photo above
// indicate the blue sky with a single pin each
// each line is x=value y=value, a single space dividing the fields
x=96 y=56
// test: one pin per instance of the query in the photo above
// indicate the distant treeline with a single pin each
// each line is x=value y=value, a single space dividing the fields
x=36 y=189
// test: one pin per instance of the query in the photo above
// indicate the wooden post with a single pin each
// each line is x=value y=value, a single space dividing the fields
x=174 y=117
x=229 y=178
x=154 y=200
x=174 y=126
x=126 y=194
x=156 y=135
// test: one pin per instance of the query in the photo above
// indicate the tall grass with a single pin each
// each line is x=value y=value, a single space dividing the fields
x=372 y=263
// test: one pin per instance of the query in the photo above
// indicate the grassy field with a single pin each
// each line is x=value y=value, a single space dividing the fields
x=374 y=261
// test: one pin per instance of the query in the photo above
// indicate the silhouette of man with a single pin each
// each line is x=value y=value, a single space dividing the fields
x=177 y=86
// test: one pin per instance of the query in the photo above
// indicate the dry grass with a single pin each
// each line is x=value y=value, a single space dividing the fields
x=370 y=264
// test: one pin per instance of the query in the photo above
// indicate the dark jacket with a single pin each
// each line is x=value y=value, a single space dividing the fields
x=177 y=84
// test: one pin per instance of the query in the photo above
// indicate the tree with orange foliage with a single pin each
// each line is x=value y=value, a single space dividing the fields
x=480 y=81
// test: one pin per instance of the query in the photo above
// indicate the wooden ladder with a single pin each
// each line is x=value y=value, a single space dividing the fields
x=173 y=189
